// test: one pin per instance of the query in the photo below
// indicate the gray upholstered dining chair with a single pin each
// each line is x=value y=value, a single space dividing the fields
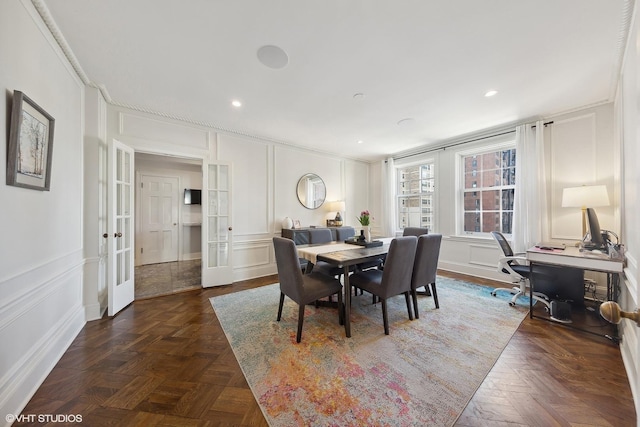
x=415 y=231
x=394 y=280
x=302 y=288
x=425 y=268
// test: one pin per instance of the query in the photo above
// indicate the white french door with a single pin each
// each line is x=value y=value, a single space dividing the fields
x=120 y=228
x=217 y=236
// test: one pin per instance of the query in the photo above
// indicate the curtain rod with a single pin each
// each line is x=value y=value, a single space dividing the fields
x=463 y=142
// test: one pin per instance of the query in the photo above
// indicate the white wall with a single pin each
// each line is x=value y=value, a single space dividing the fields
x=41 y=255
x=588 y=132
x=627 y=121
x=265 y=176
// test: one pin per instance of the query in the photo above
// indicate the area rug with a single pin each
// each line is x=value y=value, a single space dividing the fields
x=423 y=373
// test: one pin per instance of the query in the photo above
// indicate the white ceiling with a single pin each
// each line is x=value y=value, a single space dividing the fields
x=430 y=61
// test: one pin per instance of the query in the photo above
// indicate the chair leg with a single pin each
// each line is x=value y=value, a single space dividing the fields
x=340 y=309
x=300 y=321
x=414 y=296
x=280 y=306
x=406 y=297
x=385 y=318
x=435 y=295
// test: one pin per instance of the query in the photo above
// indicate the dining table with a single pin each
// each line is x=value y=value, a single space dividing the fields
x=344 y=255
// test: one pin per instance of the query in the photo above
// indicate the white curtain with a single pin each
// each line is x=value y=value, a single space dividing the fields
x=530 y=222
x=388 y=178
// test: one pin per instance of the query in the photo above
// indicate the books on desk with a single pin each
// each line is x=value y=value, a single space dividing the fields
x=549 y=246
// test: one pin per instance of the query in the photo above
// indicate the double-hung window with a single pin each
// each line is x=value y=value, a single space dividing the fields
x=489 y=181
x=415 y=196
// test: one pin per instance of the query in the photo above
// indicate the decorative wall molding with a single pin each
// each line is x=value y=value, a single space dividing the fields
x=248 y=255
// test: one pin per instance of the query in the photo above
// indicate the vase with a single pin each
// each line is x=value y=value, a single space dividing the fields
x=287 y=223
x=367 y=234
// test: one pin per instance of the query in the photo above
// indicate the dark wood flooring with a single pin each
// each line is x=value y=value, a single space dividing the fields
x=166 y=362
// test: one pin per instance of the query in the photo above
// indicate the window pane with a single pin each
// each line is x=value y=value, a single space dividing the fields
x=491 y=178
x=490 y=222
x=491 y=200
x=509 y=176
x=472 y=221
x=507 y=199
x=507 y=222
x=471 y=201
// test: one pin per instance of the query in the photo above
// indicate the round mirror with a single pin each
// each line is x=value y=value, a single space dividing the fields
x=311 y=191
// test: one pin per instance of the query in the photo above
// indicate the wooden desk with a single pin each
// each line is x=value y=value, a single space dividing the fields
x=575 y=258
x=343 y=255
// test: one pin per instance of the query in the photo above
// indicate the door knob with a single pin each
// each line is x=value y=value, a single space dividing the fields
x=117 y=235
x=230 y=228
x=105 y=235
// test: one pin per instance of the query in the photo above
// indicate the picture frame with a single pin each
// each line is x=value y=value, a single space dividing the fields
x=296 y=224
x=30 y=148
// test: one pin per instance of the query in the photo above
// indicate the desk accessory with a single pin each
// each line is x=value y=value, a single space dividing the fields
x=371 y=244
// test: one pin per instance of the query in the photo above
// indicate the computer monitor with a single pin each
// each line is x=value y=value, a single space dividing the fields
x=597 y=240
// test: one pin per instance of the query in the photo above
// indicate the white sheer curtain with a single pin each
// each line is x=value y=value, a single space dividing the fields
x=388 y=178
x=530 y=222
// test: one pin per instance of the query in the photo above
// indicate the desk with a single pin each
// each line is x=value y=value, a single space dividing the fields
x=574 y=257
x=343 y=255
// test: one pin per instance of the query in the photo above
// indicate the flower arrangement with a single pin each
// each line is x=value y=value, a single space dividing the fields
x=364 y=218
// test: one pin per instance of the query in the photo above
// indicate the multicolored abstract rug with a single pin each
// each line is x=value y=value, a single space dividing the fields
x=423 y=373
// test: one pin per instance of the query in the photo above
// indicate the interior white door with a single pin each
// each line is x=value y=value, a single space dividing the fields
x=158 y=219
x=120 y=230
x=217 y=236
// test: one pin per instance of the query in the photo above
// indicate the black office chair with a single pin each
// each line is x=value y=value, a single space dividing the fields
x=515 y=265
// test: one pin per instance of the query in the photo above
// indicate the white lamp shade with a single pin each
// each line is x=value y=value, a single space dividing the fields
x=585 y=196
x=338 y=206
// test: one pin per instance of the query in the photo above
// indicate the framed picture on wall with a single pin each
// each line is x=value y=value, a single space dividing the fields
x=30 y=147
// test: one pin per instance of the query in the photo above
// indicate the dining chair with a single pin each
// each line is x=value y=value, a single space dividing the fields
x=415 y=231
x=302 y=288
x=394 y=280
x=425 y=268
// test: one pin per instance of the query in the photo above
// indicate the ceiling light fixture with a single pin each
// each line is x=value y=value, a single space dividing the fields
x=360 y=141
x=236 y=103
x=273 y=57
x=491 y=93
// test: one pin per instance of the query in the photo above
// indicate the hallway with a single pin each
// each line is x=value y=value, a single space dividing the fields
x=167 y=278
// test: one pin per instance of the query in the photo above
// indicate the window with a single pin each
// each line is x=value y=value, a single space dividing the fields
x=489 y=187
x=415 y=196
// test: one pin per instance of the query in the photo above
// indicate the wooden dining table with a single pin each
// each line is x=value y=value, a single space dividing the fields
x=344 y=255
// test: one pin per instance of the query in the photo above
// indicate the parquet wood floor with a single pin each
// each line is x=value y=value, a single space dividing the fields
x=166 y=362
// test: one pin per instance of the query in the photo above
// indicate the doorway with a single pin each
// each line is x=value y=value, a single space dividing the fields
x=168 y=231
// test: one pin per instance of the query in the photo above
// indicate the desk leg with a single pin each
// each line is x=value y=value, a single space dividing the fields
x=530 y=290
x=347 y=303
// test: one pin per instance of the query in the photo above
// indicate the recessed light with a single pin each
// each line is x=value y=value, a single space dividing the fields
x=360 y=141
x=236 y=103
x=491 y=93
x=273 y=57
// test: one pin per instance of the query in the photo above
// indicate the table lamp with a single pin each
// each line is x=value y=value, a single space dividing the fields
x=338 y=206
x=585 y=196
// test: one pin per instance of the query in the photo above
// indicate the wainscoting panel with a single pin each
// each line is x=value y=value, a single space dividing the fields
x=48 y=314
x=251 y=254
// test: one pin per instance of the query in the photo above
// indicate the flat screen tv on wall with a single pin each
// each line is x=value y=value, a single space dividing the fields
x=192 y=197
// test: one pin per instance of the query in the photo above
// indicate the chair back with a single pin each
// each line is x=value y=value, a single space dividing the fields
x=415 y=231
x=289 y=273
x=344 y=233
x=425 y=267
x=320 y=235
x=398 y=266
x=502 y=241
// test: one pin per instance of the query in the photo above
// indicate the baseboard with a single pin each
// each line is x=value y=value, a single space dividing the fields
x=25 y=377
